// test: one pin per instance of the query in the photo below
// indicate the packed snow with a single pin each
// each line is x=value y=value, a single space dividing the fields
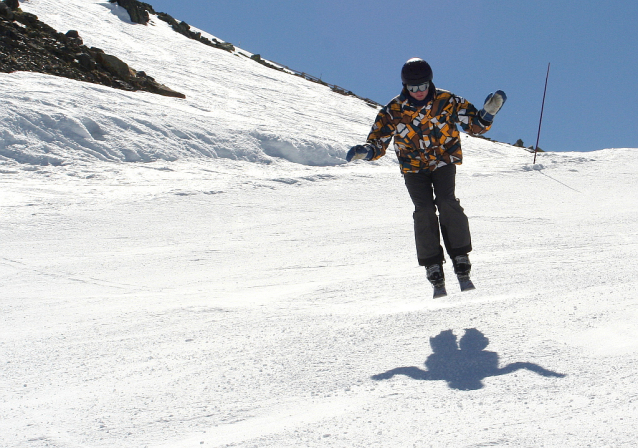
x=210 y=272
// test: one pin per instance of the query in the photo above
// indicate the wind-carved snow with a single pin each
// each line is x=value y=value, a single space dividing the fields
x=214 y=293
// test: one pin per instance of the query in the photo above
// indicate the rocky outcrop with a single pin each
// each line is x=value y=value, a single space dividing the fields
x=184 y=29
x=27 y=44
x=257 y=58
x=139 y=12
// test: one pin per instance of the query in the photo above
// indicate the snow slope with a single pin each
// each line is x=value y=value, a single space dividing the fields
x=235 y=108
x=218 y=295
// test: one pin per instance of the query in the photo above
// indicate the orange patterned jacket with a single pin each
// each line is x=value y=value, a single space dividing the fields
x=426 y=137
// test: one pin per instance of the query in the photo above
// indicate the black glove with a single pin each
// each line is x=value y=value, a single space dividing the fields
x=365 y=152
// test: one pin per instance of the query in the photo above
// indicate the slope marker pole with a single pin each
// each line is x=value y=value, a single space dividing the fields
x=540 y=122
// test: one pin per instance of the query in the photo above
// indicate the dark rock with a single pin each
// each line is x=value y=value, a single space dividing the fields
x=182 y=28
x=73 y=38
x=161 y=89
x=115 y=66
x=86 y=61
x=226 y=46
x=26 y=18
x=185 y=29
x=13 y=4
x=166 y=18
x=137 y=11
x=5 y=11
x=257 y=58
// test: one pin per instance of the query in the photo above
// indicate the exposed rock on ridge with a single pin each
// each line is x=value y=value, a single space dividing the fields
x=139 y=13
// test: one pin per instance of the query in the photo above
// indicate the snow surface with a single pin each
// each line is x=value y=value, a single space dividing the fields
x=244 y=287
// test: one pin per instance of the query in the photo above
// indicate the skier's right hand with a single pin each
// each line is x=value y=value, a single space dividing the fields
x=360 y=152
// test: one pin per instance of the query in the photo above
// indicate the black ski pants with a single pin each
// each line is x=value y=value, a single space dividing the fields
x=431 y=191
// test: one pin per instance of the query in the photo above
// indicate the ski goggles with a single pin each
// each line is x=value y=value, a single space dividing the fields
x=420 y=88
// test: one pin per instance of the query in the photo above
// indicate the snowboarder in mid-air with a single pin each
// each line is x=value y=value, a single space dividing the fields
x=422 y=120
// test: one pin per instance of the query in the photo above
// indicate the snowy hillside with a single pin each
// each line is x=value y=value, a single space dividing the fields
x=234 y=107
x=244 y=287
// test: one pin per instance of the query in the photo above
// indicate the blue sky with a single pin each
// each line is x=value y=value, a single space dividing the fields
x=474 y=48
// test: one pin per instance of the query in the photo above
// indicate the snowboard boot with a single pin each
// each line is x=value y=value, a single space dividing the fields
x=437 y=278
x=462 y=267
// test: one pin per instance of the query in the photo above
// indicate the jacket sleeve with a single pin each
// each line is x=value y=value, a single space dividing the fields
x=468 y=117
x=382 y=132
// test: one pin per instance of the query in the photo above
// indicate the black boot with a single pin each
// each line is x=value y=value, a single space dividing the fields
x=437 y=278
x=462 y=266
x=435 y=274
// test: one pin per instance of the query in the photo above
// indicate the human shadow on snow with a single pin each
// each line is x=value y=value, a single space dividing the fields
x=464 y=365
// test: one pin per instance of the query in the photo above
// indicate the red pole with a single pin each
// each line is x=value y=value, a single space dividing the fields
x=541 y=120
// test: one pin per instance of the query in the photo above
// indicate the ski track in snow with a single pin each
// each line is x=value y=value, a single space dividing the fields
x=211 y=273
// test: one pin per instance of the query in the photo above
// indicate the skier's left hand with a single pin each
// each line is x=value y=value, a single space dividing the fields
x=493 y=104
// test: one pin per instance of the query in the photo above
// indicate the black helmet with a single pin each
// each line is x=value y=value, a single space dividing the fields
x=416 y=71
